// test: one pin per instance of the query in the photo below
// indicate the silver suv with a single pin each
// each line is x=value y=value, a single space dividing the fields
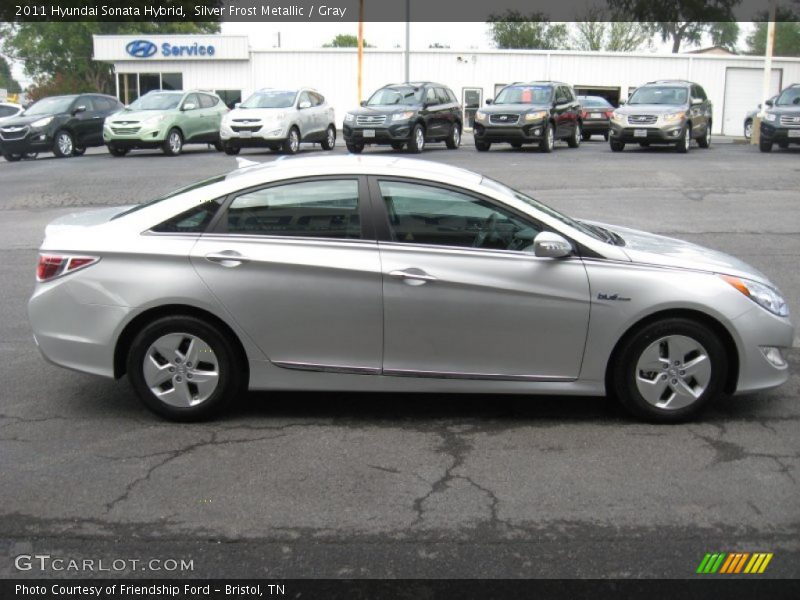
x=667 y=111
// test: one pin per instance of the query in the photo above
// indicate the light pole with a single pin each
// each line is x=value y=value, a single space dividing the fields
x=407 y=56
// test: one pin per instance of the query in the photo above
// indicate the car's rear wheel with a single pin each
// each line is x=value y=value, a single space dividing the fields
x=417 y=142
x=685 y=141
x=548 y=142
x=748 y=129
x=355 y=148
x=705 y=141
x=482 y=146
x=63 y=144
x=79 y=151
x=586 y=136
x=116 y=150
x=291 y=145
x=329 y=143
x=453 y=140
x=574 y=140
x=173 y=145
x=668 y=370
x=616 y=146
x=184 y=368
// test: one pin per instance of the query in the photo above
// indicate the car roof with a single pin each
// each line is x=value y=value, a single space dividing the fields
x=680 y=82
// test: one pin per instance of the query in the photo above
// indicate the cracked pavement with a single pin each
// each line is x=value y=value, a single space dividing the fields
x=400 y=485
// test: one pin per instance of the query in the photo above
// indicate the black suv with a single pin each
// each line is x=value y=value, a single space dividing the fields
x=63 y=125
x=781 y=122
x=538 y=112
x=405 y=113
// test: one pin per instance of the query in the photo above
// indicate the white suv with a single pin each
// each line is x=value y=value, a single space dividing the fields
x=279 y=119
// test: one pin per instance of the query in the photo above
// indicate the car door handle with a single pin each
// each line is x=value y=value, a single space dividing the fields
x=227 y=258
x=418 y=276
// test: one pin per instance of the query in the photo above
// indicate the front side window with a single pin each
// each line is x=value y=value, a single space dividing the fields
x=207 y=101
x=7 y=111
x=669 y=95
x=525 y=94
x=192 y=100
x=425 y=214
x=318 y=209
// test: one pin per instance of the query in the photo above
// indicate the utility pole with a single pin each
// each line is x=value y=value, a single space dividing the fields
x=360 y=45
x=408 y=42
x=765 y=82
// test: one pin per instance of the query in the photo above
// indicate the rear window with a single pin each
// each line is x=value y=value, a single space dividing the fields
x=594 y=101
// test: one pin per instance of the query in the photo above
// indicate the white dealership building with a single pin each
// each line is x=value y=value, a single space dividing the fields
x=228 y=65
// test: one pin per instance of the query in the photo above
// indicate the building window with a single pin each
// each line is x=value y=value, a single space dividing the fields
x=128 y=87
x=149 y=82
x=172 y=81
x=229 y=97
x=133 y=85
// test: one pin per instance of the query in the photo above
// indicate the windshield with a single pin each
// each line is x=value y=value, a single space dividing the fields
x=504 y=189
x=659 y=95
x=188 y=188
x=51 y=106
x=157 y=101
x=789 y=97
x=593 y=102
x=524 y=94
x=396 y=95
x=270 y=99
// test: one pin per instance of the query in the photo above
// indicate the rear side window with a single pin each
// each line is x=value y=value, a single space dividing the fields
x=451 y=95
x=87 y=102
x=316 y=99
x=442 y=95
x=207 y=101
x=7 y=111
x=316 y=209
x=194 y=220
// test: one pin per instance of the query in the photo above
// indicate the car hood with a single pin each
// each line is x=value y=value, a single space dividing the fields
x=648 y=248
x=385 y=109
x=23 y=120
x=513 y=108
x=651 y=109
x=135 y=115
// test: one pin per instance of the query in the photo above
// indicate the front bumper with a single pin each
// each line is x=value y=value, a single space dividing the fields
x=149 y=137
x=267 y=134
x=518 y=133
x=669 y=134
x=37 y=140
x=778 y=133
x=383 y=134
x=758 y=329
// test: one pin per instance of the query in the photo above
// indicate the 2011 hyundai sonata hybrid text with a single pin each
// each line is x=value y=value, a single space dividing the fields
x=389 y=274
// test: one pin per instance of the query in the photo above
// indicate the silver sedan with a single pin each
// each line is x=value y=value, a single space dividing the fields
x=389 y=274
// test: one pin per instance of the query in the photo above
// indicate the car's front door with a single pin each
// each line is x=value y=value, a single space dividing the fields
x=87 y=123
x=191 y=122
x=562 y=115
x=305 y=115
x=463 y=294
x=433 y=115
x=293 y=266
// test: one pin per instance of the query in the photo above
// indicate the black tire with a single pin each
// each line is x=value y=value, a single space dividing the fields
x=397 y=146
x=516 y=145
x=548 y=140
x=586 y=136
x=230 y=149
x=417 y=142
x=482 y=146
x=705 y=141
x=79 y=151
x=329 y=143
x=764 y=145
x=616 y=146
x=63 y=144
x=623 y=372
x=783 y=145
x=232 y=379
x=644 y=144
x=291 y=145
x=605 y=136
x=574 y=140
x=682 y=147
x=173 y=144
x=116 y=150
x=748 y=129
x=355 y=148
x=453 y=140
x=218 y=146
x=12 y=157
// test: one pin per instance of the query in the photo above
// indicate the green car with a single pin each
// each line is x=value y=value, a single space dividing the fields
x=166 y=120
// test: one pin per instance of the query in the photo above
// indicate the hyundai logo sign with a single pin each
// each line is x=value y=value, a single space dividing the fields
x=141 y=48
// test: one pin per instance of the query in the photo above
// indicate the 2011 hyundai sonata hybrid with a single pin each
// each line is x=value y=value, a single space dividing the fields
x=389 y=274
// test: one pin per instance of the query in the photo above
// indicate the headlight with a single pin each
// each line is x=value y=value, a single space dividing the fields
x=763 y=295
x=349 y=118
x=770 y=117
x=536 y=116
x=42 y=122
x=480 y=116
x=617 y=117
x=152 y=121
x=403 y=116
x=671 y=117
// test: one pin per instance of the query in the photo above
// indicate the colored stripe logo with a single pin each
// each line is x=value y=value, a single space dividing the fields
x=732 y=563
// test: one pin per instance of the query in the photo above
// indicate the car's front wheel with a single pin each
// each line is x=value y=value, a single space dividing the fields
x=63 y=144
x=482 y=146
x=764 y=145
x=616 y=146
x=354 y=148
x=685 y=141
x=548 y=142
x=291 y=145
x=184 y=368
x=230 y=149
x=667 y=370
x=173 y=145
x=417 y=142
x=115 y=150
x=12 y=157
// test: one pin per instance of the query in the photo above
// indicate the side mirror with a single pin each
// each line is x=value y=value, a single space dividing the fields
x=363 y=103
x=489 y=100
x=696 y=101
x=621 y=102
x=304 y=104
x=189 y=106
x=237 y=105
x=78 y=109
x=551 y=245
x=770 y=102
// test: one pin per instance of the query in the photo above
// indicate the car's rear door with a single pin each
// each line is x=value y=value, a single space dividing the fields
x=462 y=296
x=296 y=267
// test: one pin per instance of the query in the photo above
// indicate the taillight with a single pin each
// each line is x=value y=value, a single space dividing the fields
x=584 y=114
x=609 y=113
x=54 y=265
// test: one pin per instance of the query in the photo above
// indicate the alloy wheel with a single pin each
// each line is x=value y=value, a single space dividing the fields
x=456 y=136
x=748 y=130
x=551 y=139
x=673 y=372
x=331 y=138
x=65 y=143
x=175 y=142
x=181 y=370
x=419 y=138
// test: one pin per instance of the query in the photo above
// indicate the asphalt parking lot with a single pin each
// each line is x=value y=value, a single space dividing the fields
x=379 y=485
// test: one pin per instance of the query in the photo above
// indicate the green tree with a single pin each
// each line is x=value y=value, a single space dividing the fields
x=683 y=22
x=724 y=34
x=58 y=55
x=7 y=80
x=345 y=40
x=597 y=32
x=787 y=35
x=512 y=29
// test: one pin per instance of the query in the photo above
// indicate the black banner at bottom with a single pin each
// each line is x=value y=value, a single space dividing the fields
x=416 y=589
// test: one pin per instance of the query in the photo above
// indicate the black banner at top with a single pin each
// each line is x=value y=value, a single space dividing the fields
x=392 y=10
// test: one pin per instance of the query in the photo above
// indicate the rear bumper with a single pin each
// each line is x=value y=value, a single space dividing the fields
x=655 y=135
x=595 y=126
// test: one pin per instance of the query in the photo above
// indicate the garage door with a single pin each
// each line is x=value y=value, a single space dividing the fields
x=742 y=94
